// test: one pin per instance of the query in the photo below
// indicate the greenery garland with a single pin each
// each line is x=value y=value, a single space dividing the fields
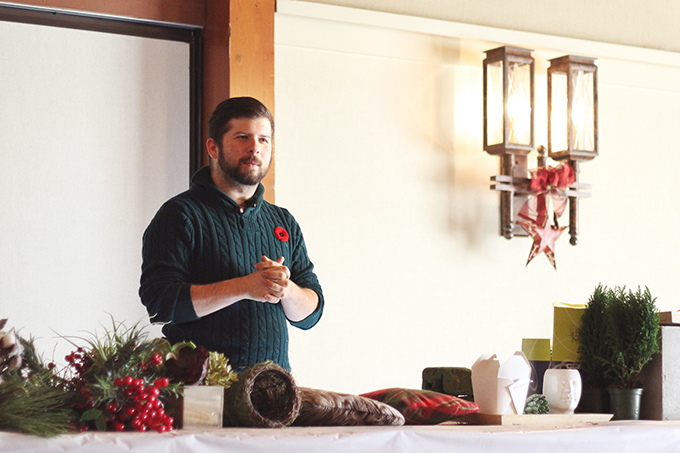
x=119 y=381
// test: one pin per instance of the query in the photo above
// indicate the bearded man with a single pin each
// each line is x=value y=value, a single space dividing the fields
x=222 y=267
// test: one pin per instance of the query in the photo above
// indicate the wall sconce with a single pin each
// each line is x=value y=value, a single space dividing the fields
x=509 y=126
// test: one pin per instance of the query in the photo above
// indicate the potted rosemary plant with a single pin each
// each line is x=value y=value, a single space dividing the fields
x=632 y=334
x=629 y=323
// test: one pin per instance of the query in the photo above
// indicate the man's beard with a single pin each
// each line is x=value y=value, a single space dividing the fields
x=243 y=175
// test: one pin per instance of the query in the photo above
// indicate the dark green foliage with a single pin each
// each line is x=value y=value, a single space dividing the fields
x=120 y=352
x=593 y=347
x=618 y=336
x=32 y=398
x=632 y=333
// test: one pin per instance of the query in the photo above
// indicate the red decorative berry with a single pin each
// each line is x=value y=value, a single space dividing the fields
x=112 y=408
x=153 y=391
x=156 y=360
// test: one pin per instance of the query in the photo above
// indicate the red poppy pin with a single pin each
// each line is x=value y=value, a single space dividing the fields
x=281 y=234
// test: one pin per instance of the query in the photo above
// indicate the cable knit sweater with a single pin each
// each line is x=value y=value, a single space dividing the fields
x=200 y=237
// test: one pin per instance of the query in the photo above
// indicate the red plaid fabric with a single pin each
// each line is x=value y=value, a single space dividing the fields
x=423 y=407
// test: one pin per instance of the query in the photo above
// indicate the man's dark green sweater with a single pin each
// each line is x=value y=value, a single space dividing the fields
x=200 y=237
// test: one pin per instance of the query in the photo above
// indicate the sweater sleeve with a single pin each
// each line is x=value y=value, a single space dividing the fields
x=165 y=289
x=302 y=273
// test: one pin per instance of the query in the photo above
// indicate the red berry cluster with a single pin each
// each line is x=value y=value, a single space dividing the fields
x=136 y=405
x=142 y=409
x=79 y=361
x=155 y=360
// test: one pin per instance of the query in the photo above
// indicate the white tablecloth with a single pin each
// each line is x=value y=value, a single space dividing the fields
x=621 y=436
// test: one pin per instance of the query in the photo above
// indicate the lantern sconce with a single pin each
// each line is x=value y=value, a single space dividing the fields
x=509 y=126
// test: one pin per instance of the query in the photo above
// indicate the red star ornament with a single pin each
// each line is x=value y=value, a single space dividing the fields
x=544 y=240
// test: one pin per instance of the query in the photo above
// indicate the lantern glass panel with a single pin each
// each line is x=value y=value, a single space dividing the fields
x=494 y=103
x=583 y=111
x=558 y=112
x=519 y=103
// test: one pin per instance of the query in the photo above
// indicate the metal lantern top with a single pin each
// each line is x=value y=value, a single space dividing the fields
x=572 y=108
x=508 y=101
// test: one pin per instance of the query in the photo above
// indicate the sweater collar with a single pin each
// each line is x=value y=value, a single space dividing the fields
x=203 y=179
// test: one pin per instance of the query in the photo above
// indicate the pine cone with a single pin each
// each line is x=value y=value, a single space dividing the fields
x=10 y=349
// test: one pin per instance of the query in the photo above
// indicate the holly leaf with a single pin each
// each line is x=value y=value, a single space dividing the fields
x=92 y=414
x=100 y=423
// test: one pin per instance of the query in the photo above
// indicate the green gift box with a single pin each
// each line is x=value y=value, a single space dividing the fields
x=566 y=321
x=536 y=348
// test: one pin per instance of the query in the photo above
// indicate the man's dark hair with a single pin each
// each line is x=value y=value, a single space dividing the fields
x=232 y=108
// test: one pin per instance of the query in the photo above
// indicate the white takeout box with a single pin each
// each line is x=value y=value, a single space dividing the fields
x=501 y=389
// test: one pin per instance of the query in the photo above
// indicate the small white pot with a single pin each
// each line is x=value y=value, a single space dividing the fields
x=562 y=389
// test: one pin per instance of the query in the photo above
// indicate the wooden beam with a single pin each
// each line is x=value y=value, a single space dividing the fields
x=186 y=12
x=251 y=64
x=239 y=58
x=216 y=71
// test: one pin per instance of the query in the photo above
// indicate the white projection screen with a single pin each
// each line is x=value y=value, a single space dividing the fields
x=95 y=133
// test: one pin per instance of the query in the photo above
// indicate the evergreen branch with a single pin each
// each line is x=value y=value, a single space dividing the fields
x=33 y=405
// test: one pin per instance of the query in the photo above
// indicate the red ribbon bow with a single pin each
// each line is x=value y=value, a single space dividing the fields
x=546 y=181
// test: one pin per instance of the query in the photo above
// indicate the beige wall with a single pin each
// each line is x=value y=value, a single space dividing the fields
x=380 y=158
x=650 y=24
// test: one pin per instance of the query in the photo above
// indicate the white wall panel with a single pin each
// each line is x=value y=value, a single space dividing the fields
x=94 y=134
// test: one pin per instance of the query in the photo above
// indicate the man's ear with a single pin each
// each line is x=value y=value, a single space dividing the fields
x=213 y=149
